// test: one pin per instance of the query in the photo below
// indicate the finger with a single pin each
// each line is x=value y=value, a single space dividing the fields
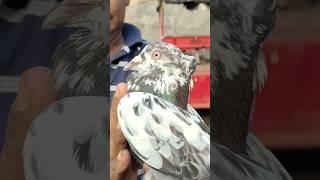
x=120 y=166
x=117 y=140
x=36 y=90
x=41 y=82
x=120 y=92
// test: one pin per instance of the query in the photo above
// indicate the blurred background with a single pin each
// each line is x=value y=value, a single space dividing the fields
x=287 y=117
x=287 y=114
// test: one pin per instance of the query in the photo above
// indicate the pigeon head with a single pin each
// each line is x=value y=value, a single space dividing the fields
x=161 y=69
x=165 y=59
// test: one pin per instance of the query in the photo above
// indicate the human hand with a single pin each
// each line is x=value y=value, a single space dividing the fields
x=36 y=91
x=122 y=166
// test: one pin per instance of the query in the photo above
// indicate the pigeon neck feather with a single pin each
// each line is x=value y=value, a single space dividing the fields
x=167 y=87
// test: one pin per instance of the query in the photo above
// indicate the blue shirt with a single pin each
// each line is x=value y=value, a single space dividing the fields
x=133 y=45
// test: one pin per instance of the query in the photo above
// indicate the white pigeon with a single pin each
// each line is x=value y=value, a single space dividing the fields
x=162 y=129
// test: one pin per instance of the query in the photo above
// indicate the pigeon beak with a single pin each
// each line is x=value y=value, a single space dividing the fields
x=132 y=65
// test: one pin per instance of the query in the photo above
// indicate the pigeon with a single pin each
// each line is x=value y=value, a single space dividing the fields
x=238 y=71
x=162 y=129
x=81 y=63
x=68 y=139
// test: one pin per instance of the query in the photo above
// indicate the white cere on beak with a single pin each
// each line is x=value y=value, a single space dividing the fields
x=132 y=65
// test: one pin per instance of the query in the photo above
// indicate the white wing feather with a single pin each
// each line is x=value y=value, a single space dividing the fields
x=49 y=151
x=167 y=138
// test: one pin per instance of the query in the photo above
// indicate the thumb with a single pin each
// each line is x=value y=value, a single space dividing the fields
x=120 y=166
x=36 y=91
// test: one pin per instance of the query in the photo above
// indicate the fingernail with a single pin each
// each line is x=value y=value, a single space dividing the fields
x=120 y=155
x=118 y=126
x=119 y=89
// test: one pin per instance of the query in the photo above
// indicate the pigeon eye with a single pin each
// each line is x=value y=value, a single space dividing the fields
x=156 y=55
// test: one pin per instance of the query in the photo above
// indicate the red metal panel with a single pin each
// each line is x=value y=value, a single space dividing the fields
x=200 y=94
x=290 y=102
x=189 y=42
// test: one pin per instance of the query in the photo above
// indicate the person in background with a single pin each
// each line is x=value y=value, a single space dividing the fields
x=36 y=91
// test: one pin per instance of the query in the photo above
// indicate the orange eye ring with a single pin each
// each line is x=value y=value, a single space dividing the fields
x=156 y=55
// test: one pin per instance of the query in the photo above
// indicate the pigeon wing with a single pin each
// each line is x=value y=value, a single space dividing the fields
x=67 y=141
x=165 y=137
